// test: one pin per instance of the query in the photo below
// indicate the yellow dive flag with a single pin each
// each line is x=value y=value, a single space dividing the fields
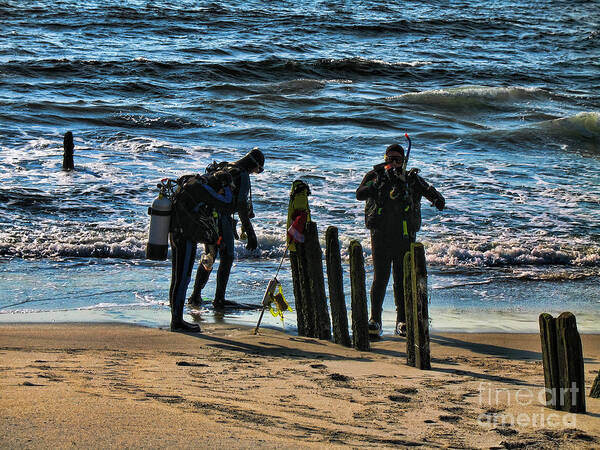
x=278 y=304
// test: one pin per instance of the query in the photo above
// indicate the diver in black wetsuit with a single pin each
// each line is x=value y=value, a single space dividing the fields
x=253 y=162
x=393 y=214
x=193 y=220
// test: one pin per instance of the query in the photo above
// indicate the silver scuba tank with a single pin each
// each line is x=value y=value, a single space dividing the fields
x=158 y=236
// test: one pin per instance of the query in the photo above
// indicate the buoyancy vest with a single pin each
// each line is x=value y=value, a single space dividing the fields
x=397 y=202
x=197 y=202
x=236 y=176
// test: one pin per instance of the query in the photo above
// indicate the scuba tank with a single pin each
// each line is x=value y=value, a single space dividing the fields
x=160 y=220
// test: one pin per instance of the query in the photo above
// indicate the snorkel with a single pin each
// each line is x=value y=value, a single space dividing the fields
x=407 y=154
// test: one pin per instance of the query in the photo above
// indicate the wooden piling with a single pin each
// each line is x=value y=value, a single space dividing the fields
x=360 y=328
x=307 y=310
x=570 y=364
x=409 y=310
x=314 y=256
x=335 y=282
x=420 y=306
x=550 y=359
x=595 y=390
x=68 y=151
x=298 y=294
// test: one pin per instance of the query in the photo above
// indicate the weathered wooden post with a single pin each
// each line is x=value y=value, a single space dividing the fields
x=360 y=328
x=562 y=355
x=335 y=282
x=306 y=259
x=314 y=266
x=420 y=306
x=550 y=359
x=299 y=295
x=307 y=310
x=409 y=310
x=595 y=390
x=570 y=364
x=68 y=151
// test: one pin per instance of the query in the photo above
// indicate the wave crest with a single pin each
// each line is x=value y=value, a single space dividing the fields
x=473 y=96
x=273 y=69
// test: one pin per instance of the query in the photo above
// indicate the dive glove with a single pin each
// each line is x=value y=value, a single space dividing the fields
x=252 y=241
x=439 y=203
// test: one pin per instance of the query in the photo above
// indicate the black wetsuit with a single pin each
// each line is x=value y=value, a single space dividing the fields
x=393 y=214
x=226 y=249
x=183 y=253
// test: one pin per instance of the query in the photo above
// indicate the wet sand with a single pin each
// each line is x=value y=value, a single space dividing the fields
x=99 y=386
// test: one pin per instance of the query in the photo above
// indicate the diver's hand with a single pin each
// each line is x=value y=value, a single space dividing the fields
x=252 y=241
x=439 y=203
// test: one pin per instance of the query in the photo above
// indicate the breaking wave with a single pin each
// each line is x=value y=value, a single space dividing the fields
x=474 y=96
x=579 y=129
x=502 y=255
x=271 y=245
x=585 y=125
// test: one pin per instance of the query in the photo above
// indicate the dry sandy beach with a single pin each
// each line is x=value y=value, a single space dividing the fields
x=120 y=386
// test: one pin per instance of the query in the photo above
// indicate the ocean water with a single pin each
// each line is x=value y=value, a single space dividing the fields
x=501 y=99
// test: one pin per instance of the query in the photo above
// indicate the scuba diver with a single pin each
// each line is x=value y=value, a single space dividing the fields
x=252 y=163
x=393 y=214
x=197 y=201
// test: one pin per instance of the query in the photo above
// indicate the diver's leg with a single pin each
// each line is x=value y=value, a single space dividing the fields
x=183 y=261
x=202 y=275
x=382 y=262
x=173 y=268
x=226 y=257
x=402 y=247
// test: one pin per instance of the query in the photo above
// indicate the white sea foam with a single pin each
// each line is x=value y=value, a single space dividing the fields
x=481 y=254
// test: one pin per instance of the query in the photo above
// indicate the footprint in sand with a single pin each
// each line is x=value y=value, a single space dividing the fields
x=402 y=395
x=339 y=377
x=407 y=390
x=450 y=418
x=505 y=431
x=399 y=398
x=190 y=364
x=453 y=409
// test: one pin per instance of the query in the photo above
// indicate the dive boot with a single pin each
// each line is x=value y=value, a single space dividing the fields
x=219 y=304
x=182 y=325
x=375 y=330
x=195 y=301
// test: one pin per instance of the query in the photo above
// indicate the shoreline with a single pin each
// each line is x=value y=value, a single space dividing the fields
x=442 y=320
x=92 y=384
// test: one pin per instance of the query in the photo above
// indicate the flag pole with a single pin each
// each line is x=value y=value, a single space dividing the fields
x=282 y=258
